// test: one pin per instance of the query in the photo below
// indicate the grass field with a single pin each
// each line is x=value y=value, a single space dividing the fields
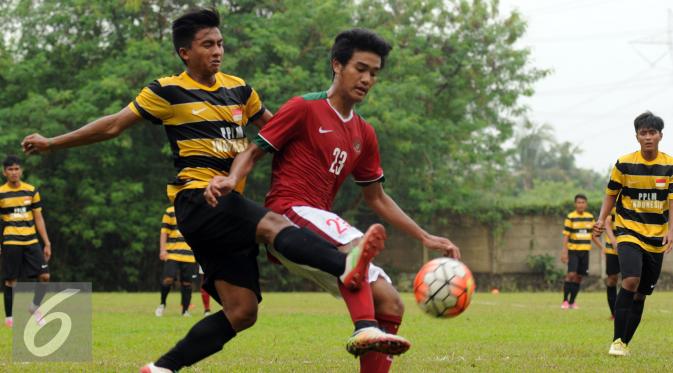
x=305 y=332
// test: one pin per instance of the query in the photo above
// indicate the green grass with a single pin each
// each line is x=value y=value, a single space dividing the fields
x=305 y=332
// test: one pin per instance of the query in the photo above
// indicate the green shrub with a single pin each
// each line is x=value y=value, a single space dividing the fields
x=546 y=265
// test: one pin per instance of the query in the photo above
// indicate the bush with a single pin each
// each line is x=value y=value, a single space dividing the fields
x=545 y=265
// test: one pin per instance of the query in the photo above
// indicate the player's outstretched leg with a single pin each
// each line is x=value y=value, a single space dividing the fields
x=210 y=334
x=357 y=261
x=302 y=246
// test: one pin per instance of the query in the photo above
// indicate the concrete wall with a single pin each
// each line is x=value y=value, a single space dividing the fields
x=484 y=251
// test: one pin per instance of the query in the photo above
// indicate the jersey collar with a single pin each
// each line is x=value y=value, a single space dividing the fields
x=344 y=120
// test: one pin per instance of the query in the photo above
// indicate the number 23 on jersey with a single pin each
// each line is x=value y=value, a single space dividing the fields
x=338 y=162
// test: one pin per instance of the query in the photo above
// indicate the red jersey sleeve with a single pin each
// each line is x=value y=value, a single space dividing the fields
x=284 y=126
x=368 y=169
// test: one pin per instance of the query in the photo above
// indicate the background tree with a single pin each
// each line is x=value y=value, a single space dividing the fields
x=444 y=109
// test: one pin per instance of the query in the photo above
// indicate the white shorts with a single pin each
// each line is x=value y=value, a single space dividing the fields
x=334 y=229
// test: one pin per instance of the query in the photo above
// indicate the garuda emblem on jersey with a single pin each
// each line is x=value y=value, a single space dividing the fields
x=356 y=145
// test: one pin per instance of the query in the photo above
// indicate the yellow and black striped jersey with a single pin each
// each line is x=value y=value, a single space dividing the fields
x=608 y=245
x=176 y=246
x=16 y=208
x=643 y=189
x=578 y=229
x=204 y=124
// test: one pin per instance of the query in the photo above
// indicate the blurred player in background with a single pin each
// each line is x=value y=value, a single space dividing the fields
x=577 y=239
x=22 y=255
x=178 y=261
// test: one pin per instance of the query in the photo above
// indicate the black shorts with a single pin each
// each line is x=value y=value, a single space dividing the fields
x=23 y=261
x=611 y=264
x=222 y=238
x=578 y=262
x=637 y=262
x=186 y=271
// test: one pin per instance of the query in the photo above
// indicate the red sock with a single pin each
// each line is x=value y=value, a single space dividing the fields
x=375 y=362
x=360 y=302
x=206 y=299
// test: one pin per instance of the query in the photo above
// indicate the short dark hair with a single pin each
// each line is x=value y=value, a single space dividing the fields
x=188 y=24
x=648 y=120
x=580 y=196
x=11 y=160
x=358 y=39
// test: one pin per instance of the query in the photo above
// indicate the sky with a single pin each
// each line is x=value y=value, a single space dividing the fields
x=610 y=60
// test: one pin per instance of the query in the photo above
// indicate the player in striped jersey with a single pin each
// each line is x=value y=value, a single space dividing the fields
x=641 y=189
x=20 y=221
x=577 y=239
x=202 y=111
x=178 y=261
x=611 y=262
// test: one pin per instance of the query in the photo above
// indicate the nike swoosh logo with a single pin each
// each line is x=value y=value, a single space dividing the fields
x=197 y=112
x=324 y=131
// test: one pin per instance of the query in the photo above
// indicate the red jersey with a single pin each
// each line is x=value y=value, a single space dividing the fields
x=315 y=149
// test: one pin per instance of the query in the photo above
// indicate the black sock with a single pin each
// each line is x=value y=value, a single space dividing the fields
x=205 y=338
x=566 y=290
x=633 y=320
x=165 y=289
x=361 y=324
x=186 y=291
x=305 y=247
x=40 y=291
x=622 y=307
x=9 y=299
x=612 y=297
x=574 y=289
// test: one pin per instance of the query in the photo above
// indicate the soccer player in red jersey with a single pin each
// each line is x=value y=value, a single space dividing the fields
x=317 y=141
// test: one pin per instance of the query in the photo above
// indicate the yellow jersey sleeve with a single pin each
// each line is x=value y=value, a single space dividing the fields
x=150 y=105
x=616 y=181
x=36 y=203
x=567 y=227
x=166 y=224
x=253 y=106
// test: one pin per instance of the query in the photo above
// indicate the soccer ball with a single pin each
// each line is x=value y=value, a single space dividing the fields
x=444 y=287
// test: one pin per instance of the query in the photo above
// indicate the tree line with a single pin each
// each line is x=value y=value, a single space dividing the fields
x=447 y=109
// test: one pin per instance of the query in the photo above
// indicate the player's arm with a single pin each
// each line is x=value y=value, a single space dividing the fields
x=613 y=189
x=163 y=239
x=668 y=239
x=100 y=129
x=240 y=168
x=42 y=231
x=564 y=249
x=597 y=242
x=262 y=120
x=610 y=232
x=386 y=208
x=608 y=204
